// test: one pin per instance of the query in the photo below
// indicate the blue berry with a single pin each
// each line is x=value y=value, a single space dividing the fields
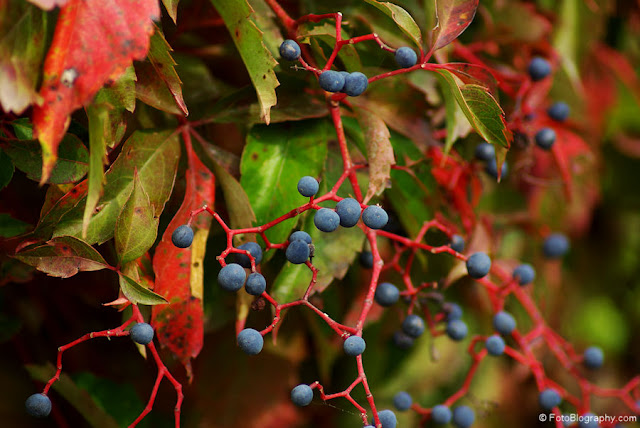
x=588 y=420
x=539 y=68
x=555 y=246
x=355 y=84
x=182 y=237
x=387 y=419
x=478 y=265
x=441 y=414
x=413 y=326
x=457 y=330
x=256 y=284
x=366 y=259
x=495 y=345
x=254 y=249
x=354 y=346
x=491 y=168
x=38 y=405
x=549 y=398
x=297 y=252
x=250 y=341
x=300 y=236
x=386 y=294
x=485 y=152
x=290 y=50
x=453 y=310
x=524 y=274
x=331 y=81
x=457 y=243
x=302 y=395
x=375 y=217
x=308 y=186
x=559 y=111
x=141 y=333
x=504 y=323
x=232 y=277
x=545 y=138
x=406 y=57
x=402 y=340
x=463 y=417
x=593 y=357
x=402 y=400
x=349 y=211
x=326 y=220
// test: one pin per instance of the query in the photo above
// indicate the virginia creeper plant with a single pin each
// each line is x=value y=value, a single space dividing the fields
x=395 y=209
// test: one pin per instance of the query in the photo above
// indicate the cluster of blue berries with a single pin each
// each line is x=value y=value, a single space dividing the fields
x=485 y=152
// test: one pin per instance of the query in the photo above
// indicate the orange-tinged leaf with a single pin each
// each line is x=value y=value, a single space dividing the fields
x=94 y=42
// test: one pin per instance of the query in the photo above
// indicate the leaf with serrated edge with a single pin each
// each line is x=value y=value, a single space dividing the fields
x=172 y=9
x=257 y=58
x=401 y=18
x=137 y=227
x=97 y=115
x=137 y=294
x=379 y=152
x=453 y=17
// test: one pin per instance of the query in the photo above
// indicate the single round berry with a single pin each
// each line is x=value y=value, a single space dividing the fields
x=457 y=243
x=555 y=246
x=366 y=259
x=406 y=57
x=545 y=138
x=504 y=323
x=302 y=395
x=453 y=310
x=141 y=333
x=478 y=265
x=485 y=152
x=355 y=84
x=491 y=168
x=559 y=111
x=588 y=420
x=457 y=330
x=182 y=237
x=308 y=186
x=290 y=50
x=413 y=325
x=250 y=341
x=387 y=419
x=349 y=211
x=549 y=398
x=593 y=357
x=256 y=284
x=331 y=81
x=463 y=417
x=354 y=346
x=298 y=252
x=402 y=340
x=539 y=68
x=326 y=220
x=38 y=406
x=441 y=414
x=495 y=345
x=524 y=274
x=300 y=236
x=386 y=294
x=402 y=400
x=254 y=249
x=375 y=217
x=232 y=277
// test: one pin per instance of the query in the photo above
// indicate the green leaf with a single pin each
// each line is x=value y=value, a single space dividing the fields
x=274 y=159
x=137 y=227
x=155 y=156
x=257 y=58
x=453 y=17
x=78 y=397
x=98 y=116
x=326 y=32
x=63 y=257
x=172 y=9
x=6 y=169
x=379 y=152
x=237 y=202
x=10 y=227
x=138 y=294
x=401 y=18
x=116 y=99
x=72 y=165
x=456 y=123
x=567 y=38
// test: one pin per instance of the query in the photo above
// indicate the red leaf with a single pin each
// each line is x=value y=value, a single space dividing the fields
x=94 y=42
x=180 y=323
x=454 y=16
